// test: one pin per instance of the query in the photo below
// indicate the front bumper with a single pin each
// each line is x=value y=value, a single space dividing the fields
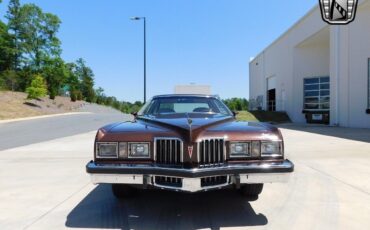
x=191 y=179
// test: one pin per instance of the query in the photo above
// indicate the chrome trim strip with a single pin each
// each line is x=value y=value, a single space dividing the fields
x=189 y=184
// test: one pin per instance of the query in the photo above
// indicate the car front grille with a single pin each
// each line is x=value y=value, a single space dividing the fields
x=211 y=152
x=168 y=181
x=213 y=181
x=168 y=151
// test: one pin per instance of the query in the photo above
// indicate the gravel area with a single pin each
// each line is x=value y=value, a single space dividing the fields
x=15 y=105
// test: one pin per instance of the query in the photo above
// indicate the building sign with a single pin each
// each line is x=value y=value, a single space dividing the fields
x=338 y=12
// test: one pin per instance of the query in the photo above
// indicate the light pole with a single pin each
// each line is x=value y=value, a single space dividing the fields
x=139 y=18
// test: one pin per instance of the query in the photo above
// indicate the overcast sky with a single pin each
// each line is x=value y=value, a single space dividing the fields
x=188 y=41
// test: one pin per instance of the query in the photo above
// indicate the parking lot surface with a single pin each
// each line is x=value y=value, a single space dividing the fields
x=44 y=186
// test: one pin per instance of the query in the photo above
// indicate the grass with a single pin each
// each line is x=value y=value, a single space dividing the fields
x=263 y=116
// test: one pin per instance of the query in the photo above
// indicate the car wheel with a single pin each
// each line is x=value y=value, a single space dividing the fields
x=251 y=190
x=122 y=191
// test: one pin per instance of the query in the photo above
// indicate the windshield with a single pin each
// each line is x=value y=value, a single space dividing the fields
x=186 y=104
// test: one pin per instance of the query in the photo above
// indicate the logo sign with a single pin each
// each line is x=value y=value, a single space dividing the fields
x=338 y=12
x=190 y=150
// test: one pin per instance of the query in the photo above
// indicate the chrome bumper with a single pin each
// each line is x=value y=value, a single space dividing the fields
x=249 y=173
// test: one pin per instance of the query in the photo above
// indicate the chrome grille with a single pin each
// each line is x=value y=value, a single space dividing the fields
x=168 y=151
x=211 y=152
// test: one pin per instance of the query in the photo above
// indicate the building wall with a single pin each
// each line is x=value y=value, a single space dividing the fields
x=193 y=89
x=309 y=61
x=357 y=36
x=312 y=48
x=278 y=60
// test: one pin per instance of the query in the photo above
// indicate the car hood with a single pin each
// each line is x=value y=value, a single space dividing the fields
x=189 y=127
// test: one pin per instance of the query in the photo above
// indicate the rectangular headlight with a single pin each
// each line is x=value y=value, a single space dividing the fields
x=270 y=149
x=106 y=150
x=139 y=150
x=239 y=149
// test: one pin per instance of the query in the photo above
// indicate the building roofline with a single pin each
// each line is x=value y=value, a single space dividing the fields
x=287 y=31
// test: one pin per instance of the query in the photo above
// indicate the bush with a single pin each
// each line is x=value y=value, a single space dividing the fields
x=73 y=95
x=37 y=88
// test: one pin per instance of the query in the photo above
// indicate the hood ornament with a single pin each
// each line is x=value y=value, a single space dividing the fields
x=190 y=122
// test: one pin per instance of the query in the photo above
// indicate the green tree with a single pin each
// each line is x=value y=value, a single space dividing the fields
x=73 y=82
x=37 y=88
x=7 y=48
x=9 y=80
x=99 y=94
x=14 y=25
x=86 y=77
x=56 y=74
x=37 y=34
x=236 y=104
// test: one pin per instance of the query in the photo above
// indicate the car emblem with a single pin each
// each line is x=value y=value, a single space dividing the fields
x=190 y=150
x=338 y=12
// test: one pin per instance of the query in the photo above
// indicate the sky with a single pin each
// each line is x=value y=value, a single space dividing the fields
x=188 y=41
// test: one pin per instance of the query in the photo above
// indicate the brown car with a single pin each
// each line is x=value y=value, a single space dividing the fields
x=188 y=143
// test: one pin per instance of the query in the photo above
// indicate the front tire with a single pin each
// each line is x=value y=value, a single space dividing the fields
x=251 y=190
x=121 y=191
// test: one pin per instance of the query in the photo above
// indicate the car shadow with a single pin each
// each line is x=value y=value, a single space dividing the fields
x=155 y=209
x=356 y=134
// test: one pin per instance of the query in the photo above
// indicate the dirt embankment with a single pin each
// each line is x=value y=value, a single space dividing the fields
x=16 y=105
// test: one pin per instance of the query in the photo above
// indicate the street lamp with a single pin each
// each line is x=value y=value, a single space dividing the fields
x=139 y=18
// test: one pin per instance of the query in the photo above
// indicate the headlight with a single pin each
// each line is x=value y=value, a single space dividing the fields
x=106 y=150
x=239 y=149
x=139 y=150
x=271 y=148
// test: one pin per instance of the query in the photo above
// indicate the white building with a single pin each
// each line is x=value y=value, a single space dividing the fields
x=315 y=71
x=193 y=89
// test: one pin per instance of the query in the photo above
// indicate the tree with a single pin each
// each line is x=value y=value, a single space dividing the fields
x=86 y=77
x=6 y=48
x=37 y=35
x=73 y=82
x=9 y=80
x=14 y=25
x=237 y=104
x=37 y=89
x=56 y=73
x=99 y=93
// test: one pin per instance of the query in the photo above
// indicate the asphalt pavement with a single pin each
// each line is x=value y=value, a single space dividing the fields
x=44 y=186
x=20 y=133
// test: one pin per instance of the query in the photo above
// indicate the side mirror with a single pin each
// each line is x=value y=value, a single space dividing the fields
x=235 y=113
x=134 y=114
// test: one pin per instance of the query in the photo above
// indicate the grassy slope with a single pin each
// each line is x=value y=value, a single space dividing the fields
x=15 y=105
x=263 y=116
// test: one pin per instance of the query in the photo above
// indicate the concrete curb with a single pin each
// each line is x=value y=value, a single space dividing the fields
x=42 y=116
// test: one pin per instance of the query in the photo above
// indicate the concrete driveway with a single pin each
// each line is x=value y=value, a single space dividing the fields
x=44 y=186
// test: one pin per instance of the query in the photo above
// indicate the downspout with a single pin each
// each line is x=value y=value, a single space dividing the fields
x=337 y=73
